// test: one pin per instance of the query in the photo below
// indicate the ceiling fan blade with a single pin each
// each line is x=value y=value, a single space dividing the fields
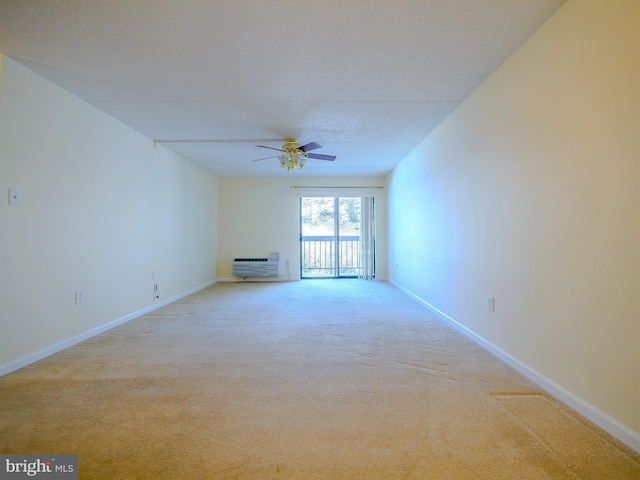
x=319 y=156
x=265 y=158
x=309 y=146
x=271 y=148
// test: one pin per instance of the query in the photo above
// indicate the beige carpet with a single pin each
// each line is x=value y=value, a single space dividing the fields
x=318 y=379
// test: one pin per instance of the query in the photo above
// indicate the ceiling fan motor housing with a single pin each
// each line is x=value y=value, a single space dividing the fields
x=292 y=147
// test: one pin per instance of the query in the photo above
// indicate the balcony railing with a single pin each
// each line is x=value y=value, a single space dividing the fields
x=319 y=256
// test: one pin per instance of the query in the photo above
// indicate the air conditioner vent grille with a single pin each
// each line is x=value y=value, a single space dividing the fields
x=256 y=267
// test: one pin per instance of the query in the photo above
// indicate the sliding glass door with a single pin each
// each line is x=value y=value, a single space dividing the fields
x=330 y=237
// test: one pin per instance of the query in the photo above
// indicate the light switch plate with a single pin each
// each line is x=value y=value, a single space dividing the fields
x=15 y=197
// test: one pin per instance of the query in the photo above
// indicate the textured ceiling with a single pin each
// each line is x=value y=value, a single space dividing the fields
x=367 y=79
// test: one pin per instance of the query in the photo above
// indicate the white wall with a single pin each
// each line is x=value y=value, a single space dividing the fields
x=260 y=215
x=101 y=209
x=530 y=192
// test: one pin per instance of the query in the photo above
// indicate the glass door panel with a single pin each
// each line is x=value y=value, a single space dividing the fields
x=317 y=237
x=348 y=234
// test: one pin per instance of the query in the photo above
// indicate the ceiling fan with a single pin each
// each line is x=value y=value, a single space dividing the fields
x=295 y=155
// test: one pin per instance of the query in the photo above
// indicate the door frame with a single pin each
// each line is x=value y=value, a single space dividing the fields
x=336 y=254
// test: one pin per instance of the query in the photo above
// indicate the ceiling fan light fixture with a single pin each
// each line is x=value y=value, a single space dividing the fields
x=292 y=159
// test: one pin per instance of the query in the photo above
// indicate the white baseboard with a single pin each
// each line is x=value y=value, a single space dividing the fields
x=50 y=350
x=598 y=417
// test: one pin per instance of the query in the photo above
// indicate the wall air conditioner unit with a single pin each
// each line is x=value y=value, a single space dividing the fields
x=257 y=267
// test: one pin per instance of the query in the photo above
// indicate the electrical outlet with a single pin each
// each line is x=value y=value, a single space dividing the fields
x=491 y=304
x=156 y=291
x=79 y=297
